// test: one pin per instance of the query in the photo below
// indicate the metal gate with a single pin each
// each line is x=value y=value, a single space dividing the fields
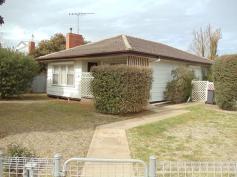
x=73 y=167
x=93 y=167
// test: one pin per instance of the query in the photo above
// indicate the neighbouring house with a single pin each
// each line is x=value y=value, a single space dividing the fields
x=39 y=82
x=68 y=73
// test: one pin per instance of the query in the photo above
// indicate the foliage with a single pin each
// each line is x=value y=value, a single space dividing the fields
x=121 y=89
x=205 y=42
x=16 y=150
x=16 y=71
x=179 y=89
x=55 y=44
x=225 y=81
x=1 y=18
x=207 y=74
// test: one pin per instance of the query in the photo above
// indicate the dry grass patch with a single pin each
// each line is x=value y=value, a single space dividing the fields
x=202 y=134
x=53 y=126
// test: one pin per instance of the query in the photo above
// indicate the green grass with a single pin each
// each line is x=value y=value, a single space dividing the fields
x=51 y=126
x=201 y=134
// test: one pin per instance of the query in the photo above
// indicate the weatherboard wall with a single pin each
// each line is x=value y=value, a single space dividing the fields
x=162 y=75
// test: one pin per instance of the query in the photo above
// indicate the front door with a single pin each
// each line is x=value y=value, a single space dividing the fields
x=90 y=65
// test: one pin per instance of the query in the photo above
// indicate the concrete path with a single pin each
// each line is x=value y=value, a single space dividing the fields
x=110 y=140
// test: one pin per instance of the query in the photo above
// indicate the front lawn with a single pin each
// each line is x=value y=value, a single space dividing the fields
x=51 y=126
x=201 y=134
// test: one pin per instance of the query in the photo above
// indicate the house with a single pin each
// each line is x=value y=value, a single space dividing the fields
x=68 y=73
x=26 y=47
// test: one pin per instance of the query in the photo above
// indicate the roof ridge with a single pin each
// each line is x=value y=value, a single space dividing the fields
x=126 y=43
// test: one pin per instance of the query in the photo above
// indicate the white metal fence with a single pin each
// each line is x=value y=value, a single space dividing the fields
x=94 y=167
x=200 y=90
x=86 y=91
x=196 y=169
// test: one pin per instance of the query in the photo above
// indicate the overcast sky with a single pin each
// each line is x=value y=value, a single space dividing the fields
x=167 y=21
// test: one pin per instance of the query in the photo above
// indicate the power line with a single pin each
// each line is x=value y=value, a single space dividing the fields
x=78 y=14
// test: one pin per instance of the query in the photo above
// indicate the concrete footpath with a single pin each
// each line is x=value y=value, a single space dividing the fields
x=110 y=140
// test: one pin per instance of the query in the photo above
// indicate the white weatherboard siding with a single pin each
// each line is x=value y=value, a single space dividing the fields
x=162 y=75
x=65 y=91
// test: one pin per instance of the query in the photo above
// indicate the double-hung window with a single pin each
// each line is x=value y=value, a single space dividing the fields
x=63 y=75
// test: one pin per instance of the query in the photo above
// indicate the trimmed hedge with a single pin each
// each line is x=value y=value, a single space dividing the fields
x=121 y=89
x=225 y=81
x=179 y=89
x=16 y=72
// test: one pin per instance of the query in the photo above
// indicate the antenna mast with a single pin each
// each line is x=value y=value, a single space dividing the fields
x=78 y=14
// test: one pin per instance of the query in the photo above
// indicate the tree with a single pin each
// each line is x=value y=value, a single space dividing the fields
x=205 y=42
x=55 y=44
x=1 y=18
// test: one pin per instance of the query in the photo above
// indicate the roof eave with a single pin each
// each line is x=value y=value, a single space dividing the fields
x=123 y=52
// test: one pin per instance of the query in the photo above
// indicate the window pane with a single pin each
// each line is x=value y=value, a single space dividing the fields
x=70 y=69
x=70 y=79
x=55 y=69
x=55 y=78
x=63 y=75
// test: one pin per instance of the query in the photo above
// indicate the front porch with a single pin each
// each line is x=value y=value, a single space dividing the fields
x=130 y=60
x=86 y=75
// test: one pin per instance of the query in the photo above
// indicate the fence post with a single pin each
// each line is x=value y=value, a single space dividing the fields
x=29 y=169
x=1 y=163
x=152 y=166
x=57 y=165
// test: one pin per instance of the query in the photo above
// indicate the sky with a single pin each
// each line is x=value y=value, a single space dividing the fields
x=171 y=22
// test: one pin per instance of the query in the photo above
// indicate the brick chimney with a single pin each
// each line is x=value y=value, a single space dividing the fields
x=73 y=40
x=31 y=46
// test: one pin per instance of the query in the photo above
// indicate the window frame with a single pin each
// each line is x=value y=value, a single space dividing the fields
x=66 y=75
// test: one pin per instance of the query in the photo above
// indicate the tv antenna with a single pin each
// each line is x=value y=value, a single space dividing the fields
x=78 y=14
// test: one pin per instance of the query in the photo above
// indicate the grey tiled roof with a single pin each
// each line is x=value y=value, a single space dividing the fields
x=125 y=44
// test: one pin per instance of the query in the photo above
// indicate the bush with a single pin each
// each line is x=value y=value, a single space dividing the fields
x=16 y=71
x=121 y=89
x=225 y=81
x=179 y=89
x=15 y=150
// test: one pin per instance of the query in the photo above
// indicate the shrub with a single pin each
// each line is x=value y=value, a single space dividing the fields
x=15 y=150
x=179 y=89
x=121 y=89
x=225 y=81
x=16 y=71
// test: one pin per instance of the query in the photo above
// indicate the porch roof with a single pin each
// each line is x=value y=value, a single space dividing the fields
x=124 y=44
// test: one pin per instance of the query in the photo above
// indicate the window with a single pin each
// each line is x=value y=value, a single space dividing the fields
x=63 y=75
